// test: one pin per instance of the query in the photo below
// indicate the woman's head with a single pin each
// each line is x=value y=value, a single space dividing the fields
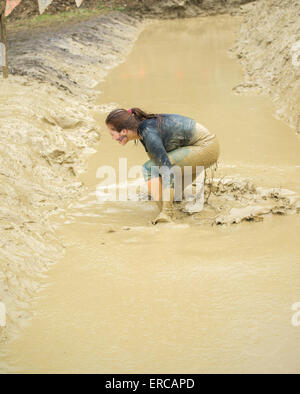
x=123 y=124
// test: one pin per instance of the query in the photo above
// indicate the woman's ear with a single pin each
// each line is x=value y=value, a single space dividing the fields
x=124 y=132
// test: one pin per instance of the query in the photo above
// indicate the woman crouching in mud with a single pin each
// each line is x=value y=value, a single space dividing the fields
x=169 y=140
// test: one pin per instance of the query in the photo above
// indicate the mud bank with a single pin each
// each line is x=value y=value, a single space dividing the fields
x=46 y=134
x=184 y=8
x=236 y=200
x=269 y=47
x=74 y=58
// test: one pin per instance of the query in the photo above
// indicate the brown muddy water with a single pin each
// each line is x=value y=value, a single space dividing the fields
x=188 y=297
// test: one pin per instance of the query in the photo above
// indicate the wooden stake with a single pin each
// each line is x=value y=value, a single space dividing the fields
x=3 y=39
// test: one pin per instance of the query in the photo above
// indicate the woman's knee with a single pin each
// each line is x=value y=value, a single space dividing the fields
x=212 y=154
x=180 y=156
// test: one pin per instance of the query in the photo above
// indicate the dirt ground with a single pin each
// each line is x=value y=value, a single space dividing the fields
x=269 y=48
x=145 y=8
x=47 y=130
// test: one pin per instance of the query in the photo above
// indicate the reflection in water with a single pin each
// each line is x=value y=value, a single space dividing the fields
x=130 y=297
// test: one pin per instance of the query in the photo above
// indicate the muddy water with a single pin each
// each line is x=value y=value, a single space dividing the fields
x=186 y=297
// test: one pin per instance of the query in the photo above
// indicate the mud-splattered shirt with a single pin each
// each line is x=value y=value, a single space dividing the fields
x=175 y=131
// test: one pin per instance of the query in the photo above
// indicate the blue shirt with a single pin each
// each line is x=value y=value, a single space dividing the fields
x=175 y=131
x=172 y=132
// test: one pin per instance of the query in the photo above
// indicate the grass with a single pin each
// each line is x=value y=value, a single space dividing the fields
x=56 y=20
x=113 y=8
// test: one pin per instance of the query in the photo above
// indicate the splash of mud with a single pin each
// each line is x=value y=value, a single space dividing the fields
x=237 y=199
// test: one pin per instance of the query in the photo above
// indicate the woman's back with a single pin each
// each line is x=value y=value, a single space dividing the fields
x=172 y=130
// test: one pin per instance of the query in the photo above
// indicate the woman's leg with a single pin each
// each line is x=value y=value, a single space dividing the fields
x=195 y=155
x=192 y=156
x=163 y=197
x=155 y=188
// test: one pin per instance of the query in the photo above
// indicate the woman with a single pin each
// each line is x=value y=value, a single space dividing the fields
x=169 y=139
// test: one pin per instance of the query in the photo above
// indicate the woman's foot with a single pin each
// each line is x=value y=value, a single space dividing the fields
x=162 y=218
x=167 y=209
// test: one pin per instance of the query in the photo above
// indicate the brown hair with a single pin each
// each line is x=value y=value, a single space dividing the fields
x=129 y=119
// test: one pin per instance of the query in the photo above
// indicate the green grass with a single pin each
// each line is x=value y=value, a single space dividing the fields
x=47 y=20
x=64 y=15
x=53 y=21
x=102 y=6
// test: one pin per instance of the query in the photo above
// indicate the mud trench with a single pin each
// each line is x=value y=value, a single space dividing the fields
x=211 y=293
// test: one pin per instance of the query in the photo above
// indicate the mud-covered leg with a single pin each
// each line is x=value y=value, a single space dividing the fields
x=167 y=209
x=155 y=188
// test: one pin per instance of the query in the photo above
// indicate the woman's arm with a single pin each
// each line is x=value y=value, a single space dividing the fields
x=157 y=152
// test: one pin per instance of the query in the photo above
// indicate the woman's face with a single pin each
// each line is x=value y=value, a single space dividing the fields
x=123 y=136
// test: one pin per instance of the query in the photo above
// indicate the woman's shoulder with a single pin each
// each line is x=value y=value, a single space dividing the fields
x=166 y=120
x=147 y=124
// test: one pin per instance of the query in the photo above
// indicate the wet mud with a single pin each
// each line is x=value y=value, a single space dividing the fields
x=75 y=57
x=47 y=132
x=211 y=292
x=268 y=47
x=184 y=8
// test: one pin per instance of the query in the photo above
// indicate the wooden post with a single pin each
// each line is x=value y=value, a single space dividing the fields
x=3 y=37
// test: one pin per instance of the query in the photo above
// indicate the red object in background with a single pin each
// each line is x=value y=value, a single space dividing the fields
x=142 y=72
x=11 y=5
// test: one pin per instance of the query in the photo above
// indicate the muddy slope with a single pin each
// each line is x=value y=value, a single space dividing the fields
x=73 y=58
x=148 y=8
x=184 y=8
x=269 y=48
x=46 y=133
